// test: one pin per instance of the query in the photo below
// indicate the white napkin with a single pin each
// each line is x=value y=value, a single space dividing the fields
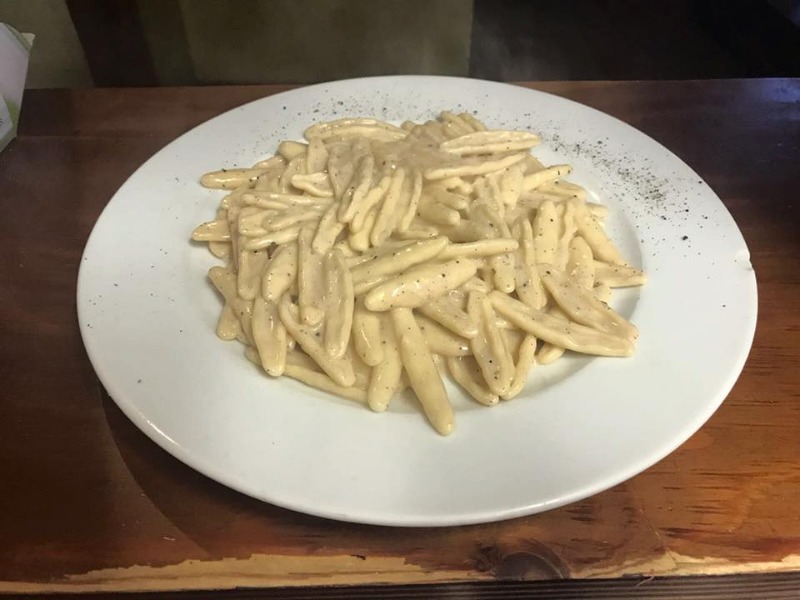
x=15 y=49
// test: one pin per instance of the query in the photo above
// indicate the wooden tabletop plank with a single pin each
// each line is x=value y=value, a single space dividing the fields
x=91 y=504
x=772 y=586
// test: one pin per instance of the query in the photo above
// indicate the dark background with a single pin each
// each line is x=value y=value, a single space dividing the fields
x=203 y=42
x=634 y=39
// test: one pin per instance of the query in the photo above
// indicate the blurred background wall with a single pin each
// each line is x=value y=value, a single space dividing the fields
x=59 y=60
x=187 y=42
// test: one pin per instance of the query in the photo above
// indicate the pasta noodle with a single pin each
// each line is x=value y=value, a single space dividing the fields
x=370 y=257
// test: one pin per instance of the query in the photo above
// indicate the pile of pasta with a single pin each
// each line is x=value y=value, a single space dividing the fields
x=372 y=257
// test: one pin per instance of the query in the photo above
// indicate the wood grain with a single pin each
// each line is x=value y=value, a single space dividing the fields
x=773 y=586
x=89 y=504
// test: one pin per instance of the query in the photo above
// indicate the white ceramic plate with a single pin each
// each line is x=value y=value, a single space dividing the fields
x=147 y=315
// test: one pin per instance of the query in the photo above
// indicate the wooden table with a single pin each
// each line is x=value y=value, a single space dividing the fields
x=89 y=504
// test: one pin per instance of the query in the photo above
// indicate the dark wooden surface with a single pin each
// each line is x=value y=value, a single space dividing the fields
x=772 y=586
x=89 y=504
